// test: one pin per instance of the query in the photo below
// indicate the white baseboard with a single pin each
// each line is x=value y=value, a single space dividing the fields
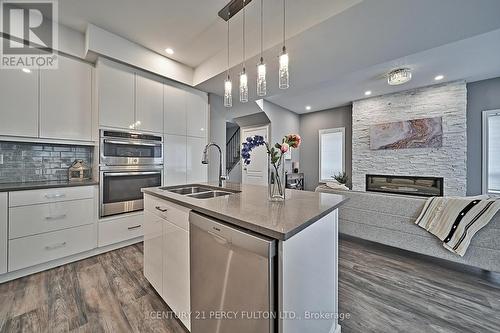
x=66 y=260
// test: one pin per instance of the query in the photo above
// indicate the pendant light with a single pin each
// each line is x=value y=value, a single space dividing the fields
x=243 y=75
x=228 y=85
x=283 y=60
x=261 y=67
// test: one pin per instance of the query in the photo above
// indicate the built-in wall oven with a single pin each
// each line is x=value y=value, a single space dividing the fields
x=130 y=148
x=129 y=161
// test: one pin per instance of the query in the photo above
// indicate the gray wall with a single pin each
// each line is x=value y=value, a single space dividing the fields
x=310 y=124
x=217 y=134
x=481 y=96
x=283 y=122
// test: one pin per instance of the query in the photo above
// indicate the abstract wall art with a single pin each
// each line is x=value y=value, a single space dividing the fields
x=415 y=133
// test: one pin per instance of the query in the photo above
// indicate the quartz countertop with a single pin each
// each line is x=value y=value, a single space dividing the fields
x=23 y=186
x=250 y=208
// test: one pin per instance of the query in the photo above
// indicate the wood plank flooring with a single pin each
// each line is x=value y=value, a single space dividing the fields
x=380 y=289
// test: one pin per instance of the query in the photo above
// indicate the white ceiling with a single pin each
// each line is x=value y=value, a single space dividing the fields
x=192 y=27
x=334 y=62
x=338 y=48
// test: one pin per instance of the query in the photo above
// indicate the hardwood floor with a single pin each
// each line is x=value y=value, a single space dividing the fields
x=380 y=289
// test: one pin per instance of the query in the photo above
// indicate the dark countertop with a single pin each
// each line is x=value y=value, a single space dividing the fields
x=250 y=209
x=10 y=187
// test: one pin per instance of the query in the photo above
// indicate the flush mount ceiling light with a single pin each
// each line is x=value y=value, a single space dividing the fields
x=399 y=76
x=169 y=50
x=308 y=107
x=439 y=77
x=26 y=70
x=368 y=93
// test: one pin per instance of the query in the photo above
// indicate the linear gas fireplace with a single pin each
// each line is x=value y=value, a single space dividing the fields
x=412 y=185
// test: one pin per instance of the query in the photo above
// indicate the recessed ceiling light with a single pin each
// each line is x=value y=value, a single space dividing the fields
x=368 y=93
x=26 y=70
x=439 y=77
x=169 y=50
x=308 y=107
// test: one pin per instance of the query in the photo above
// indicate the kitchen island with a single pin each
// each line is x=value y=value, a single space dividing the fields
x=226 y=259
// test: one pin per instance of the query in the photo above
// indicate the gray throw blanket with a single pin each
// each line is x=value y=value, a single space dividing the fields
x=455 y=220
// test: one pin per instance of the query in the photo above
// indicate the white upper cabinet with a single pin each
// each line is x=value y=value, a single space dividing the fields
x=175 y=160
x=197 y=114
x=3 y=232
x=149 y=105
x=116 y=94
x=196 y=171
x=19 y=103
x=66 y=101
x=175 y=110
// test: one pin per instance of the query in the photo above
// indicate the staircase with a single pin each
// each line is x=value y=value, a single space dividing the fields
x=233 y=151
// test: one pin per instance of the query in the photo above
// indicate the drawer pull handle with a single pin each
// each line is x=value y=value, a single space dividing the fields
x=58 y=217
x=163 y=210
x=55 y=246
x=55 y=196
x=134 y=227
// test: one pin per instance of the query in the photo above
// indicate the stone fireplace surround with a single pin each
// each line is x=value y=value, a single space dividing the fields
x=448 y=101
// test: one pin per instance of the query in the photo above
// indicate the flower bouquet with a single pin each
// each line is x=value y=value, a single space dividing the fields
x=276 y=165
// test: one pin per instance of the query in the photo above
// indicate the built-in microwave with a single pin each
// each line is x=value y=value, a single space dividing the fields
x=130 y=148
x=120 y=187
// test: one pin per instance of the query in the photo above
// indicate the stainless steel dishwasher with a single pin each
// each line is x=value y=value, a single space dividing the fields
x=232 y=279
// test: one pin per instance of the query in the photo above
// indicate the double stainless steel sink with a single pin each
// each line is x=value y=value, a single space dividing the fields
x=198 y=191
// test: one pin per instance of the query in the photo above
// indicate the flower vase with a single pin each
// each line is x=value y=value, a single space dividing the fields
x=276 y=180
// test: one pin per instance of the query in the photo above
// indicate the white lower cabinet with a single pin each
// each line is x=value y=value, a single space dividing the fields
x=46 y=225
x=29 y=251
x=153 y=250
x=166 y=254
x=3 y=232
x=120 y=229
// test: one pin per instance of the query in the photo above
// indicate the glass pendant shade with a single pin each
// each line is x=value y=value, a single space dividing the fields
x=284 y=82
x=228 y=95
x=243 y=87
x=261 y=78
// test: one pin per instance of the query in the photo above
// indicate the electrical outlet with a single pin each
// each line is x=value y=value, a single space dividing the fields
x=1 y=158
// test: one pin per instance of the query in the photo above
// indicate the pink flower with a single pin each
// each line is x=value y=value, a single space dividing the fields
x=284 y=147
x=293 y=140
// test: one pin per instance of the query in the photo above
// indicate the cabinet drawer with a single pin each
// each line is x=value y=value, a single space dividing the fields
x=174 y=213
x=33 y=250
x=23 y=198
x=37 y=219
x=120 y=229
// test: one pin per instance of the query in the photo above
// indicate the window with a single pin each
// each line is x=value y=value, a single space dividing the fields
x=331 y=153
x=491 y=152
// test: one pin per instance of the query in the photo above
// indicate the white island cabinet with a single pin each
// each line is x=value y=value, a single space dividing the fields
x=277 y=261
x=3 y=233
x=166 y=253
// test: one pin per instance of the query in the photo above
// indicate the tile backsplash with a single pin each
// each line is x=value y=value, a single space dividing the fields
x=33 y=162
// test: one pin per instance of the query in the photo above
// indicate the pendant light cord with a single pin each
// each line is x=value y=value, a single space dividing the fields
x=284 y=22
x=261 y=29
x=228 y=49
x=244 y=5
